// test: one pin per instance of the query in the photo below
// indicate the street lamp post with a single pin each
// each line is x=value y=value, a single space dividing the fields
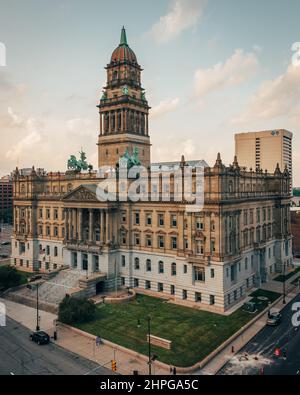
x=149 y=345
x=284 y=283
x=37 y=308
x=150 y=358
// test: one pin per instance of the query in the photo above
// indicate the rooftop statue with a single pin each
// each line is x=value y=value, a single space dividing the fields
x=79 y=165
x=130 y=161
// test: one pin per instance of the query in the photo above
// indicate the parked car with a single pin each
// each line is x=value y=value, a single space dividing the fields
x=274 y=319
x=40 y=337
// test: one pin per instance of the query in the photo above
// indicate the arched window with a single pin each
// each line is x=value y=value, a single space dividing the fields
x=174 y=269
x=115 y=75
x=161 y=267
x=136 y=264
x=148 y=265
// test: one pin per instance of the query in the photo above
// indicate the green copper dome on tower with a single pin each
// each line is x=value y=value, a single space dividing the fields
x=123 y=53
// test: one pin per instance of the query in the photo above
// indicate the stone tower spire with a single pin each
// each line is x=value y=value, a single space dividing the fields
x=123 y=109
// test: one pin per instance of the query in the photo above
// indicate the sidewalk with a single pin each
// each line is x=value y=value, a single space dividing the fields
x=103 y=354
x=26 y=316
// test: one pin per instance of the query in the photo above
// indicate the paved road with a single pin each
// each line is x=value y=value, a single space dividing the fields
x=259 y=352
x=20 y=356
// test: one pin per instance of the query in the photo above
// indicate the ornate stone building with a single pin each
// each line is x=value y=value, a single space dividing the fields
x=211 y=258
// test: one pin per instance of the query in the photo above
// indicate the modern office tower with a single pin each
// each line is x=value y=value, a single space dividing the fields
x=264 y=150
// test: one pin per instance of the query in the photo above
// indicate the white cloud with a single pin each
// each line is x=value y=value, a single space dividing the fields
x=275 y=98
x=237 y=69
x=80 y=127
x=33 y=137
x=183 y=14
x=165 y=107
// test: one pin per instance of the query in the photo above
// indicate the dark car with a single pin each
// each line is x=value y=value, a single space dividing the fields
x=40 y=337
x=274 y=319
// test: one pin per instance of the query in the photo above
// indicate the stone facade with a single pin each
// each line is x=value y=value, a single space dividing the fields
x=210 y=257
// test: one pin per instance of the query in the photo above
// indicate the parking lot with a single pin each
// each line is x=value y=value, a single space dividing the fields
x=5 y=237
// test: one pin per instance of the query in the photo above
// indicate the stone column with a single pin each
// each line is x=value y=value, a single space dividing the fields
x=122 y=120
x=107 y=226
x=80 y=224
x=70 y=223
x=74 y=221
x=91 y=225
x=102 y=226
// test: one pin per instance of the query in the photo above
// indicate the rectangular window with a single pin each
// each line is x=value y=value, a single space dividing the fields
x=56 y=214
x=212 y=273
x=161 y=220
x=136 y=283
x=149 y=220
x=184 y=269
x=173 y=221
x=149 y=241
x=40 y=213
x=48 y=213
x=198 y=297
x=199 y=274
x=123 y=217
x=147 y=284
x=137 y=239
x=211 y=300
x=123 y=259
x=161 y=242
x=172 y=290
x=160 y=287
x=199 y=224
x=137 y=218
x=184 y=294
x=174 y=243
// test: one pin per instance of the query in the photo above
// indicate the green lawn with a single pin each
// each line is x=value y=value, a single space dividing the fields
x=281 y=277
x=194 y=333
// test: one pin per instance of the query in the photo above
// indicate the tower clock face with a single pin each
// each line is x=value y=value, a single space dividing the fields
x=125 y=90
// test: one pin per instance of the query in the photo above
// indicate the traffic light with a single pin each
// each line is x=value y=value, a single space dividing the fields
x=114 y=366
x=277 y=352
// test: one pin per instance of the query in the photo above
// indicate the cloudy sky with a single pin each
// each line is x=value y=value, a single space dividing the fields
x=212 y=68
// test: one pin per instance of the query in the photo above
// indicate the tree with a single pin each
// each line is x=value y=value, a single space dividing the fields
x=72 y=310
x=10 y=277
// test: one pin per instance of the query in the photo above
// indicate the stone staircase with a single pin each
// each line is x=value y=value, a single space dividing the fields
x=53 y=291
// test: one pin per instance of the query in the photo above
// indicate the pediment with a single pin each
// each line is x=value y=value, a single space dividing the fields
x=82 y=194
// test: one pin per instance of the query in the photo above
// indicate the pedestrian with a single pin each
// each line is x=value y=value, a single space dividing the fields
x=232 y=350
x=174 y=371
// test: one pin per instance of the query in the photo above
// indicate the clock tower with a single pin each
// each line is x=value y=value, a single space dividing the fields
x=123 y=110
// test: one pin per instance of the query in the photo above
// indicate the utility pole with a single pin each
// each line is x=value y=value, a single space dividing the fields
x=116 y=279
